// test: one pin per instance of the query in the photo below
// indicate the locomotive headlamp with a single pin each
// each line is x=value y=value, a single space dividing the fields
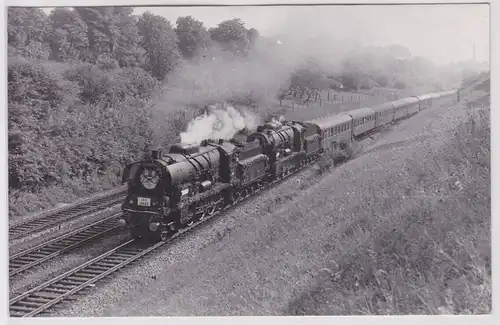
x=149 y=178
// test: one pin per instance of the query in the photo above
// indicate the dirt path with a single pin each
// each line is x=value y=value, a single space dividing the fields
x=263 y=256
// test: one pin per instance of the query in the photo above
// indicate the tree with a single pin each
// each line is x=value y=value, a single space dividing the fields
x=399 y=51
x=192 y=35
x=232 y=36
x=128 y=51
x=160 y=42
x=101 y=31
x=112 y=32
x=68 y=36
x=27 y=29
x=253 y=35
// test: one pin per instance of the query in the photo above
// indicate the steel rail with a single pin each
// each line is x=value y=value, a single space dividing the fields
x=46 y=251
x=31 y=226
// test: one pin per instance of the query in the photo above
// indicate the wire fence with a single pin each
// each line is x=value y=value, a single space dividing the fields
x=326 y=101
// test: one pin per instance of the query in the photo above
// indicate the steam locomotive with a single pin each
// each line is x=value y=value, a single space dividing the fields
x=169 y=191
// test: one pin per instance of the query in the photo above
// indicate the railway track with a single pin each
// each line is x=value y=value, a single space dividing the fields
x=28 y=227
x=39 y=300
x=39 y=254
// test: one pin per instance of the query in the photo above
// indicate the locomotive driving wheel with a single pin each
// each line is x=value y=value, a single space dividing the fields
x=203 y=214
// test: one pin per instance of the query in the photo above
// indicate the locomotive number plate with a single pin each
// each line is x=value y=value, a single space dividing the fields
x=144 y=201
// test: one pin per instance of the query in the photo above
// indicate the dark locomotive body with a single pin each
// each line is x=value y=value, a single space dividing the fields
x=170 y=191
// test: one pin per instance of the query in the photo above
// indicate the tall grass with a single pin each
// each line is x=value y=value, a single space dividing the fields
x=422 y=245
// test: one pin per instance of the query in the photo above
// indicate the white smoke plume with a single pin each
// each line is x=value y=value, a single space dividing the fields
x=278 y=119
x=220 y=122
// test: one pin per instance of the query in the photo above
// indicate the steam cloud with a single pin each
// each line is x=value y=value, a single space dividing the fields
x=218 y=123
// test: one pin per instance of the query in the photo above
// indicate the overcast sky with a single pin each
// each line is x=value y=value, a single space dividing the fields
x=442 y=33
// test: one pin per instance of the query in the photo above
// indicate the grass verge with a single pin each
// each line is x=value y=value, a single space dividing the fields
x=420 y=245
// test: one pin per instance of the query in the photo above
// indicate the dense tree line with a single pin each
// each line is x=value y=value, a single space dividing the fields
x=81 y=84
x=94 y=34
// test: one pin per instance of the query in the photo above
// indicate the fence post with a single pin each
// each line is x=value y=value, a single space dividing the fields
x=328 y=95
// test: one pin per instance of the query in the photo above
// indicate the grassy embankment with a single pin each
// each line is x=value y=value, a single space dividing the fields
x=422 y=244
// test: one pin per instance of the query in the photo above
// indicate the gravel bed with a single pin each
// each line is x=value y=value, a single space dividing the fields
x=14 y=220
x=59 y=265
x=20 y=244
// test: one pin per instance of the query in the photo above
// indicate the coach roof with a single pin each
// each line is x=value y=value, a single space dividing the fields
x=361 y=112
x=404 y=101
x=383 y=107
x=330 y=120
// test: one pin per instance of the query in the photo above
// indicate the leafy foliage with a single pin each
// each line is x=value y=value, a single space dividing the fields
x=193 y=36
x=232 y=36
x=68 y=38
x=27 y=30
x=160 y=42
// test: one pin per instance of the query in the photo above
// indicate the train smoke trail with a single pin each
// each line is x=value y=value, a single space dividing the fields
x=219 y=123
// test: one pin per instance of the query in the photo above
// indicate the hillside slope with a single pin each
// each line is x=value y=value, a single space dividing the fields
x=403 y=228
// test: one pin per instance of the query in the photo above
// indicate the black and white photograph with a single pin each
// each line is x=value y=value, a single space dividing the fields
x=247 y=159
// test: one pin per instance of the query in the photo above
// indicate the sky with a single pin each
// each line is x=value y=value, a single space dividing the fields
x=443 y=33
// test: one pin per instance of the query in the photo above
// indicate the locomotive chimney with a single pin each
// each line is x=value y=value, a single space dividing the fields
x=156 y=154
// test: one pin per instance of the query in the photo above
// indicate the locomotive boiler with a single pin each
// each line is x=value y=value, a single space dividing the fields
x=170 y=191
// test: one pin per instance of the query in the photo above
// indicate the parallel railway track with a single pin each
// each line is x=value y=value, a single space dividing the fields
x=28 y=227
x=39 y=300
x=44 y=252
